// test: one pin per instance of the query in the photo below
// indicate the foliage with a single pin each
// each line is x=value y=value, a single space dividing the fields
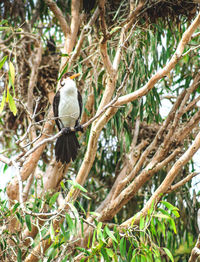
x=69 y=213
x=137 y=243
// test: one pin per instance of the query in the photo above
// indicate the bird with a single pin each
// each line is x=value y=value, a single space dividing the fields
x=67 y=109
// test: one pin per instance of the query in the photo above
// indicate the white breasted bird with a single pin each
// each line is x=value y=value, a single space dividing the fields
x=67 y=108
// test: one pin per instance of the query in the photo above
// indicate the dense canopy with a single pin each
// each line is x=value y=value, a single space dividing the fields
x=129 y=195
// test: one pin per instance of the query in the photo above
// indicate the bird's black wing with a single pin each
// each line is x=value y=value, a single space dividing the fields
x=55 y=108
x=80 y=103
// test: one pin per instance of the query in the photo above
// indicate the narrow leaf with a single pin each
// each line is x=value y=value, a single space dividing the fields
x=76 y=185
x=69 y=222
x=52 y=232
x=122 y=247
x=3 y=60
x=53 y=199
x=28 y=222
x=19 y=255
x=110 y=234
x=168 y=252
x=169 y=205
x=12 y=104
x=3 y=101
x=12 y=72
x=109 y=252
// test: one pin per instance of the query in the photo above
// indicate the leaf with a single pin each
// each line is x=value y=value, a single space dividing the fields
x=172 y=223
x=19 y=217
x=65 y=235
x=99 y=233
x=15 y=207
x=11 y=103
x=4 y=28
x=64 y=55
x=3 y=22
x=142 y=223
x=169 y=205
x=12 y=72
x=3 y=101
x=110 y=234
x=122 y=247
x=94 y=239
x=53 y=199
x=69 y=222
x=104 y=254
x=28 y=222
x=109 y=252
x=115 y=29
x=162 y=216
x=3 y=60
x=52 y=232
x=168 y=252
x=19 y=255
x=63 y=71
x=76 y=185
x=63 y=185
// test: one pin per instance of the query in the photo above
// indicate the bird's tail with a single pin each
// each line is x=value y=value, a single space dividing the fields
x=66 y=147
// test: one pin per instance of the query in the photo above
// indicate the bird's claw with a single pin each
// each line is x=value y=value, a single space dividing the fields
x=66 y=130
x=79 y=128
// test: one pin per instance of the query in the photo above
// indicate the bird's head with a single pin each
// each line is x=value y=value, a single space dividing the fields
x=67 y=78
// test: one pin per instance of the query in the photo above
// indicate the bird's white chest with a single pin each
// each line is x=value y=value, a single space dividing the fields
x=68 y=109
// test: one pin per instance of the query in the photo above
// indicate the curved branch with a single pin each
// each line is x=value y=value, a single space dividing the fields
x=59 y=15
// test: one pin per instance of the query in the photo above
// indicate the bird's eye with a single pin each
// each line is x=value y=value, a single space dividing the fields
x=62 y=83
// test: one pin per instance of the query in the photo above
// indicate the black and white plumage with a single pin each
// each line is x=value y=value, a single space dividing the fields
x=67 y=108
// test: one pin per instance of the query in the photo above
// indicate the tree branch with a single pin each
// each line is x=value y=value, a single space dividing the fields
x=59 y=15
x=166 y=184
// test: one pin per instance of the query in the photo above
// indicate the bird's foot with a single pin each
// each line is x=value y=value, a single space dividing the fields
x=66 y=130
x=78 y=128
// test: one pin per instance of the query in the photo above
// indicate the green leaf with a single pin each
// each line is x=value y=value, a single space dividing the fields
x=110 y=234
x=109 y=252
x=63 y=185
x=19 y=217
x=162 y=216
x=28 y=222
x=53 y=199
x=4 y=28
x=122 y=247
x=63 y=71
x=15 y=207
x=3 y=60
x=11 y=103
x=76 y=185
x=64 y=55
x=82 y=227
x=99 y=232
x=142 y=224
x=168 y=252
x=3 y=22
x=169 y=205
x=93 y=239
x=19 y=255
x=64 y=232
x=104 y=254
x=172 y=223
x=3 y=101
x=52 y=232
x=12 y=72
x=83 y=250
x=69 y=222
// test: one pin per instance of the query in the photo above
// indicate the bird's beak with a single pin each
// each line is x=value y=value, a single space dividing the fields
x=75 y=75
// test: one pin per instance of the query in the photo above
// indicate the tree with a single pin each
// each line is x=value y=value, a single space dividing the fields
x=120 y=198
